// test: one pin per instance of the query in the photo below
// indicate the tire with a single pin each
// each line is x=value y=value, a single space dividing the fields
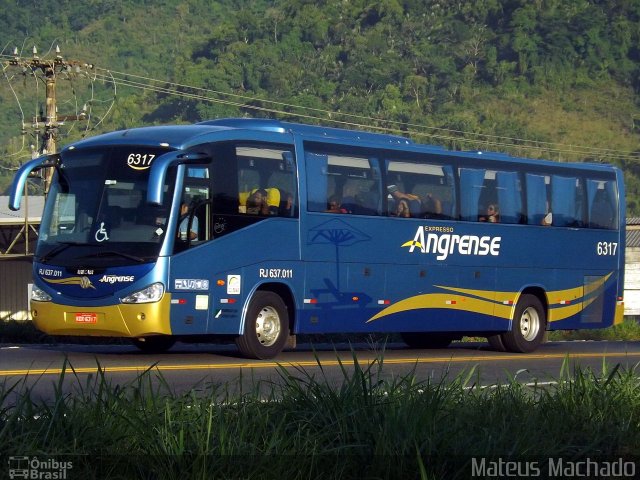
x=266 y=327
x=528 y=326
x=496 y=343
x=427 y=340
x=154 y=344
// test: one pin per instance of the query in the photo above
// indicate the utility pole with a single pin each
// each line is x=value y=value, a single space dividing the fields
x=49 y=70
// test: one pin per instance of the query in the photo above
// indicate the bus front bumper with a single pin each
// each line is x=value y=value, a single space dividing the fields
x=122 y=320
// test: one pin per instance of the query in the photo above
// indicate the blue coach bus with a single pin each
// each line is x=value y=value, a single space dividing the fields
x=260 y=230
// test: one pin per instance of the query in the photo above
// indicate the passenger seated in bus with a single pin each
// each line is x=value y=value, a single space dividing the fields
x=407 y=204
x=402 y=209
x=273 y=200
x=492 y=215
x=547 y=219
x=334 y=206
x=184 y=223
x=286 y=204
x=257 y=203
x=432 y=207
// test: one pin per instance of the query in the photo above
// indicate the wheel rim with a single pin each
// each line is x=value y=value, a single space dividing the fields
x=529 y=324
x=268 y=326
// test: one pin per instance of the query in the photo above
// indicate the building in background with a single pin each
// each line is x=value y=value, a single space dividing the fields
x=632 y=268
x=17 y=243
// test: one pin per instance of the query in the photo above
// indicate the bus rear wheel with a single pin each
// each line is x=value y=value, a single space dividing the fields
x=528 y=326
x=427 y=340
x=154 y=344
x=266 y=327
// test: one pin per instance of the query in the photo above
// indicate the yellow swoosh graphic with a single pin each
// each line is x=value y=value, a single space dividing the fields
x=498 y=303
x=412 y=242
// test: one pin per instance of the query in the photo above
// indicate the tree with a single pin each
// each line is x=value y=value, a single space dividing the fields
x=525 y=38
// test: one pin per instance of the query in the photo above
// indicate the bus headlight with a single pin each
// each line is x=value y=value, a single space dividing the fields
x=39 y=295
x=152 y=293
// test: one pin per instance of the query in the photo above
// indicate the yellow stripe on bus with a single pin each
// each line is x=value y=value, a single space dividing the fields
x=562 y=303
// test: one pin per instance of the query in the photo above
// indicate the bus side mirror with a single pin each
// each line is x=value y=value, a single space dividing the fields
x=23 y=173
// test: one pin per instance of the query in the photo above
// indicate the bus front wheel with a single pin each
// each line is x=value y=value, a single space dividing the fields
x=528 y=326
x=266 y=327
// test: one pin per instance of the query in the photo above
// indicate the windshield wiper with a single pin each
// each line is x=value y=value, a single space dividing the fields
x=58 y=249
x=109 y=253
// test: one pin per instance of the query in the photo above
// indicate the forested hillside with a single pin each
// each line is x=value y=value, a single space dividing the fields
x=557 y=79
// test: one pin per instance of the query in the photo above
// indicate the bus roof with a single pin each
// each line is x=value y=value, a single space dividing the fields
x=310 y=130
x=173 y=136
x=179 y=136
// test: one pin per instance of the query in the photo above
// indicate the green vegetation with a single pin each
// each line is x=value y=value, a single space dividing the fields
x=304 y=425
x=628 y=330
x=541 y=79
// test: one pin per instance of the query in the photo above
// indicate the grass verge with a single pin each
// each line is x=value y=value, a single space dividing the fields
x=306 y=425
x=628 y=330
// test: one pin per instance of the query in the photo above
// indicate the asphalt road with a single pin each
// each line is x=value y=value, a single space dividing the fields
x=202 y=366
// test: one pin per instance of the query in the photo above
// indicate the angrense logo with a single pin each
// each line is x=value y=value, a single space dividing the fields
x=448 y=244
x=116 y=278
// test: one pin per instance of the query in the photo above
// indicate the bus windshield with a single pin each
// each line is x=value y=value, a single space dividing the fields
x=97 y=203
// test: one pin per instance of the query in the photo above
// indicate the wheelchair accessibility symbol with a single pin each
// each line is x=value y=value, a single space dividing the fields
x=101 y=233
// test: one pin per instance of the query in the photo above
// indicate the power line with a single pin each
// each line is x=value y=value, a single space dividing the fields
x=363 y=117
x=47 y=71
x=397 y=127
x=148 y=83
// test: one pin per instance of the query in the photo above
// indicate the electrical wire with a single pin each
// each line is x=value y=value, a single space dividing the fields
x=343 y=119
x=50 y=47
x=115 y=93
x=22 y=147
x=538 y=144
x=486 y=141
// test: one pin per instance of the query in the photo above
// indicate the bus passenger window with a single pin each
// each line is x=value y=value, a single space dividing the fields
x=538 y=206
x=420 y=190
x=195 y=209
x=471 y=188
x=566 y=203
x=266 y=181
x=482 y=189
x=602 y=204
x=355 y=180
